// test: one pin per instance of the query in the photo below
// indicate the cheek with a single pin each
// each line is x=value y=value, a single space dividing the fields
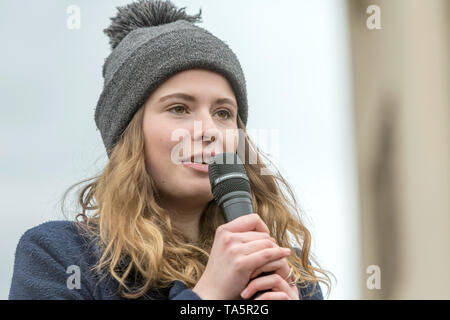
x=228 y=140
x=158 y=148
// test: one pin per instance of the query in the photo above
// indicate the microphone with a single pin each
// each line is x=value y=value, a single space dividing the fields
x=230 y=187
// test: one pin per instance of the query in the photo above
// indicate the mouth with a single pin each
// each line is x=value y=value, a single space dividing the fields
x=198 y=162
x=198 y=159
x=201 y=167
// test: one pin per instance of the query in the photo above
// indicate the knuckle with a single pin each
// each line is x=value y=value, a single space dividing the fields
x=278 y=278
x=270 y=243
x=233 y=250
x=256 y=217
x=228 y=238
x=220 y=230
x=266 y=255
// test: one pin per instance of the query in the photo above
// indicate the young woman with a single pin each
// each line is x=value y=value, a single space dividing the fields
x=155 y=231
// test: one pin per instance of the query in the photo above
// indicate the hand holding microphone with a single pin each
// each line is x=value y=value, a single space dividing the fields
x=241 y=246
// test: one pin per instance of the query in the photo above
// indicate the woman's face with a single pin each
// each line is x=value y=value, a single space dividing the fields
x=174 y=127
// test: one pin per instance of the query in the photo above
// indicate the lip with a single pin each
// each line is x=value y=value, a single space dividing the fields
x=196 y=166
x=201 y=156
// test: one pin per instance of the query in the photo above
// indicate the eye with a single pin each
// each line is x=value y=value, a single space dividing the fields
x=226 y=113
x=177 y=108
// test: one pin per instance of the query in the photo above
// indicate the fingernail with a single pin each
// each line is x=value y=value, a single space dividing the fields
x=287 y=250
x=244 y=293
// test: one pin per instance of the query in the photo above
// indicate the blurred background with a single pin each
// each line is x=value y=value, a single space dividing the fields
x=357 y=92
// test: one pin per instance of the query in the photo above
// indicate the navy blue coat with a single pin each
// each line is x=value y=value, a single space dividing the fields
x=42 y=269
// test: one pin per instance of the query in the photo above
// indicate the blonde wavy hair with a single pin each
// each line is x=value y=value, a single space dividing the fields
x=140 y=247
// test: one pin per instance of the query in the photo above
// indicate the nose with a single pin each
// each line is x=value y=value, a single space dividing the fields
x=205 y=129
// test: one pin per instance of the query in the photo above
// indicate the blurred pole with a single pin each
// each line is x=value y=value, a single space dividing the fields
x=401 y=92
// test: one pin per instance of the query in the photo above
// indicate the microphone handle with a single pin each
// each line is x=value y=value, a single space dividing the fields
x=233 y=209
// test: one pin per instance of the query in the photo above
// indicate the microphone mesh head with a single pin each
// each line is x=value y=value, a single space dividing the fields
x=225 y=164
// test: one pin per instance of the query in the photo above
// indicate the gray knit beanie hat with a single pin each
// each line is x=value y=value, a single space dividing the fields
x=150 y=42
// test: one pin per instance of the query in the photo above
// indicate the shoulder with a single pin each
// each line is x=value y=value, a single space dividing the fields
x=48 y=230
x=52 y=233
x=45 y=257
x=62 y=238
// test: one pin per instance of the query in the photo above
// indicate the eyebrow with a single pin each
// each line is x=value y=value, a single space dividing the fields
x=190 y=98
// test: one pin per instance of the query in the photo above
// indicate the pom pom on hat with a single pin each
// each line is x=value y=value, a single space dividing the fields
x=145 y=13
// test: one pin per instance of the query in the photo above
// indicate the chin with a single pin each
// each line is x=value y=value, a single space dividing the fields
x=199 y=192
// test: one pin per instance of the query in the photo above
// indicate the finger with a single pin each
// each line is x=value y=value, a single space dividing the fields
x=274 y=296
x=279 y=266
x=248 y=222
x=257 y=259
x=271 y=282
x=248 y=236
x=255 y=246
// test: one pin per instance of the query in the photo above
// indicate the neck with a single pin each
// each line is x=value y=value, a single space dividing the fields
x=185 y=216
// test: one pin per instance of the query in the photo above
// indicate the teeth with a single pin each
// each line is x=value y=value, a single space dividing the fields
x=204 y=161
